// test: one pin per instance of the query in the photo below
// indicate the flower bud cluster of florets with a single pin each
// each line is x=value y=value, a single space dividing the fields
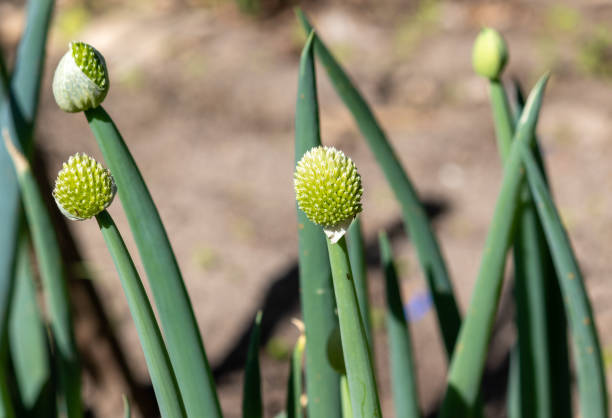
x=328 y=187
x=83 y=187
x=81 y=79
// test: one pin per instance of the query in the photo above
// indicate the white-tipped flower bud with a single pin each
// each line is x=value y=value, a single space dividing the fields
x=328 y=189
x=83 y=188
x=81 y=79
x=490 y=54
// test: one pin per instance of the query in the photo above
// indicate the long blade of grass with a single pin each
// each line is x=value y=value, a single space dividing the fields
x=587 y=351
x=25 y=86
x=18 y=104
x=178 y=321
x=27 y=337
x=403 y=371
x=156 y=357
x=558 y=354
x=415 y=217
x=357 y=355
x=316 y=291
x=356 y=248
x=54 y=282
x=252 y=405
x=532 y=269
x=294 y=386
x=468 y=360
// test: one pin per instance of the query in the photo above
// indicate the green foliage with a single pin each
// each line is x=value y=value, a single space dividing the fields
x=316 y=292
x=156 y=356
x=252 y=404
x=401 y=363
x=183 y=339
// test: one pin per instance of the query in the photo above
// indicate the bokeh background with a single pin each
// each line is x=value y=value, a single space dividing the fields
x=204 y=93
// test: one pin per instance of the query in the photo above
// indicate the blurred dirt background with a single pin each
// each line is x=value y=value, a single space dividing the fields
x=204 y=95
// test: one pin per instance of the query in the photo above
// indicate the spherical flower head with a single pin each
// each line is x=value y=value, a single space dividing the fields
x=328 y=189
x=490 y=54
x=83 y=188
x=81 y=79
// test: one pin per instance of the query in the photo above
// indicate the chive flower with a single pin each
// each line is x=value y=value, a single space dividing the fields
x=83 y=188
x=328 y=189
x=490 y=54
x=81 y=79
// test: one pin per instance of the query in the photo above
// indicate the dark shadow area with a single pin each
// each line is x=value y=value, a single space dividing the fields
x=282 y=297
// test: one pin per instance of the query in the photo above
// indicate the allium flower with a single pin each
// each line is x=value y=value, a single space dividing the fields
x=83 y=188
x=328 y=189
x=81 y=79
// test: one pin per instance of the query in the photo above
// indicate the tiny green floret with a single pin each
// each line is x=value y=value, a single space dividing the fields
x=83 y=188
x=490 y=54
x=328 y=189
x=81 y=79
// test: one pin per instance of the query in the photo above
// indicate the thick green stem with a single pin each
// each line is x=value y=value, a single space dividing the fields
x=158 y=363
x=356 y=248
x=357 y=355
x=533 y=266
x=178 y=321
x=347 y=409
x=471 y=351
x=316 y=291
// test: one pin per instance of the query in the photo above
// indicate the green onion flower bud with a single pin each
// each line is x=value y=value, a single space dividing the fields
x=328 y=190
x=81 y=79
x=83 y=188
x=490 y=54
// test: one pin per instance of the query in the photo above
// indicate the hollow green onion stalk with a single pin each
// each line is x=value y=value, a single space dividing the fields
x=587 y=349
x=469 y=357
x=180 y=328
x=328 y=190
x=316 y=288
x=532 y=262
x=55 y=287
x=84 y=189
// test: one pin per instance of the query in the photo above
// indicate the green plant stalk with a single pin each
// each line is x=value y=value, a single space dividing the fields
x=316 y=291
x=415 y=217
x=587 y=352
x=347 y=409
x=532 y=266
x=156 y=357
x=356 y=249
x=18 y=104
x=513 y=395
x=27 y=337
x=468 y=360
x=357 y=356
x=178 y=321
x=54 y=283
x=560 y=379
x=403 y=371
x=252 y=405
x=294 y=387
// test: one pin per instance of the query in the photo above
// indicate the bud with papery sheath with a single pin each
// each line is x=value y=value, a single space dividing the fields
x=81 y=78
x=328 y=189
x=490 y=54
x=83 y=188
